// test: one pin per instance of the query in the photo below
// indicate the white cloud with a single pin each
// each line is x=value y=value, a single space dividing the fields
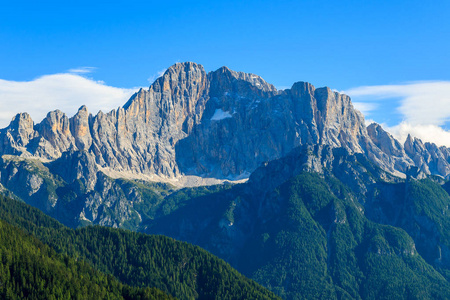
x=365 y=107
x=427 y=133
x=424 y=108
x=66 y=92
x=82 y=70
x=422 y=103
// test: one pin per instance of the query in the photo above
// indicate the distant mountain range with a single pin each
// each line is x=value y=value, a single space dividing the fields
x=309 y=201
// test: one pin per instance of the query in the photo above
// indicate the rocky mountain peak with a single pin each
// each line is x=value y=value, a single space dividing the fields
x=181 y=76
x=55 y=130
x=223 y=124
x=83 y=108
x=247 y=85
x=383 y=140
x=80 y=127
x=409 y=139
x=301 y=88
x=20 y=132
x=22 y=123
x=413 y=145
x=173 y=97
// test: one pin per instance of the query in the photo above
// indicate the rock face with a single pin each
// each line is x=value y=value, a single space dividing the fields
x=223 y=124
x=73 y=190
x=245 y=125
x=139 y=138
x=228 y=125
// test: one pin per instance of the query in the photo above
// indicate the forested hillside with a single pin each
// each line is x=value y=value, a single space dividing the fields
x=30 y=269
x=350 y=231
x=180 y=269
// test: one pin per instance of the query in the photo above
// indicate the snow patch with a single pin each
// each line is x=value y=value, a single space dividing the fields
x=220 y=115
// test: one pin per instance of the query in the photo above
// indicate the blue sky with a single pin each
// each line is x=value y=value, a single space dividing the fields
x=342 y=44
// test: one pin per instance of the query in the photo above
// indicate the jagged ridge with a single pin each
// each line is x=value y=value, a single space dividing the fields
x=223 y=124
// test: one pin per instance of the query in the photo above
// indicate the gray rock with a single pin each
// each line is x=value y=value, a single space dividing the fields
x=218 y=125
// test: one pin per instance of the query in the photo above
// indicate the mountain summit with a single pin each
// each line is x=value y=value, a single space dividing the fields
x=332 y=208
x=189 y=128
x=221 y=124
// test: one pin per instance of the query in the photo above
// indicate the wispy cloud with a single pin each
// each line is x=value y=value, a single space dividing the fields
x=66 y=92
x=421 y=102
x=82 y=70
x=424 y=107
x=365 y=107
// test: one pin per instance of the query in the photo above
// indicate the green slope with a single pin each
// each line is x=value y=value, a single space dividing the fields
x=180 y=269
x=319 y=245
x=420 y=207
x=352 y=232
x=340 y=252
x=30 y=269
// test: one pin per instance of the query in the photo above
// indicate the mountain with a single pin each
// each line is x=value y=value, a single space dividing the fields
x=288 y=186
x=53 y=251
x=346 y=231
x=189 y=128
x=221 y=124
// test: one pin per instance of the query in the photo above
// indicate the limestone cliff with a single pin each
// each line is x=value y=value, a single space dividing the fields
x=223 y=124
